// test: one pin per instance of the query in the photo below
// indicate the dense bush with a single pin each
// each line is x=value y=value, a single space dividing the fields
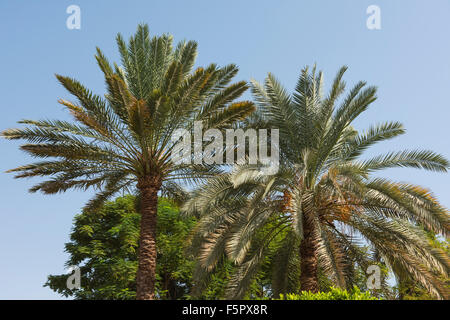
x=333 y=294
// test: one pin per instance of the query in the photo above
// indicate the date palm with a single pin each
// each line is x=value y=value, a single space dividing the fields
x=123 y=141
x=324 y=201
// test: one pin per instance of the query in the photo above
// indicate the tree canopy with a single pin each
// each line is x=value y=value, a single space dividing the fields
x=104 y=244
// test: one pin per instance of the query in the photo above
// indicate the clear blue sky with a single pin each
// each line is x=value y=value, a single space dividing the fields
x=408 y=59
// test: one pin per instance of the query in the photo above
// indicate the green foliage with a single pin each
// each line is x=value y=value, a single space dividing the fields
x=104 y=244
x=333 y=294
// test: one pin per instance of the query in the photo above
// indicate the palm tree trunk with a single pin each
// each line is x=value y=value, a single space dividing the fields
x=308 y=256
x=146 y=274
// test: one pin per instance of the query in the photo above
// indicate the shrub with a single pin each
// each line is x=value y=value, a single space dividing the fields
x=333 y=294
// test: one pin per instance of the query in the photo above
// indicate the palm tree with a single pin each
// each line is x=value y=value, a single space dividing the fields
x=324 y=201
x=124 y=140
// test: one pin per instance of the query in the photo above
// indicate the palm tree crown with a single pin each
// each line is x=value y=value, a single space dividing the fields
x=324 y=204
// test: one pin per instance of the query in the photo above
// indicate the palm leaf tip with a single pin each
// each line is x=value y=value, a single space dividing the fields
x=420 y=159
x=10 y=134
